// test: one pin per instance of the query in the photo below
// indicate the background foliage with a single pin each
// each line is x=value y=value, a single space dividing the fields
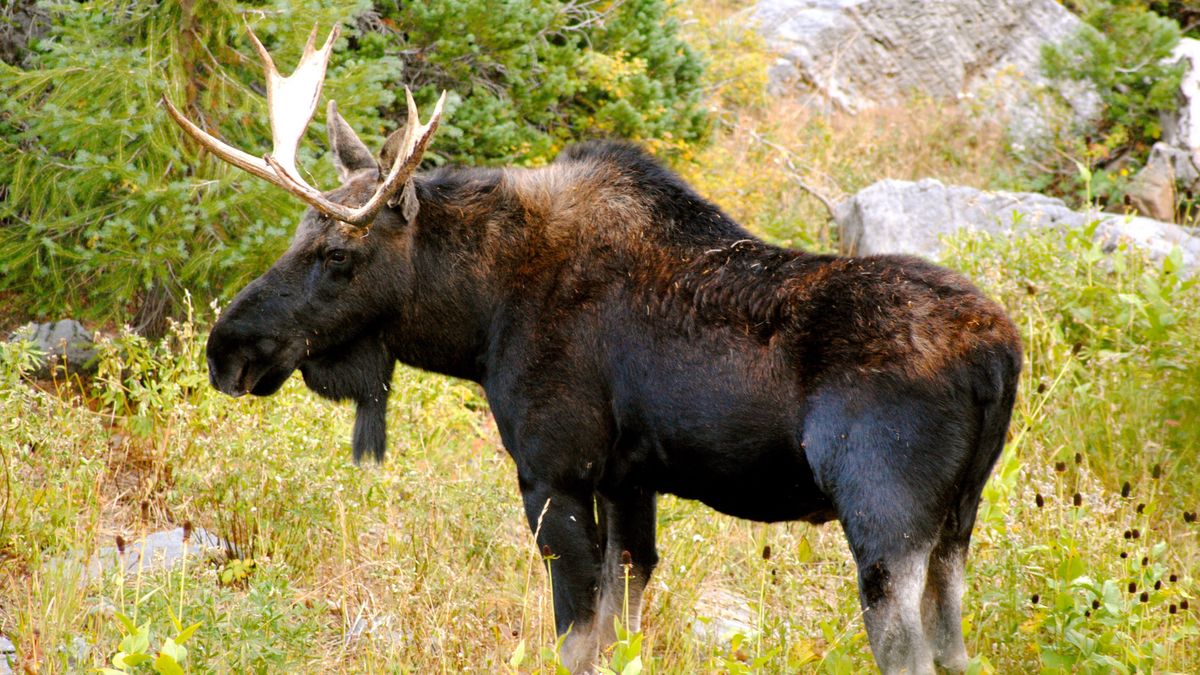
x=109 y=213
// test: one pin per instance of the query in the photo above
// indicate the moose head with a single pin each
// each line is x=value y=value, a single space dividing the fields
x=321 y=307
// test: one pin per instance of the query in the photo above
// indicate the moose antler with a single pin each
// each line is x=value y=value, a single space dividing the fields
x=291 y=101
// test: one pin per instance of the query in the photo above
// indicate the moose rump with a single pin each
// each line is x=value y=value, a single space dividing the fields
x=634 y=340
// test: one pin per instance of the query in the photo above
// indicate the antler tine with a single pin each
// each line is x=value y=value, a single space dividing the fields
x=311 y=42
x=410 y=125
x=263 y=54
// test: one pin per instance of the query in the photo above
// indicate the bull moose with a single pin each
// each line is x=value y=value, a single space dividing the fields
x=632 y=339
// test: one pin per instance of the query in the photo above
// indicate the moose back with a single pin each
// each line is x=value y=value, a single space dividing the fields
x=633 y=340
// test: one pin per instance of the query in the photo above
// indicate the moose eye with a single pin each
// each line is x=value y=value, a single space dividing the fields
x=336 y=256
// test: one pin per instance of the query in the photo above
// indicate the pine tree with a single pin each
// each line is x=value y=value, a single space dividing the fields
x=110 y=213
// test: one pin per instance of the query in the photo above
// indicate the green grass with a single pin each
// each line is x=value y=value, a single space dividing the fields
x=431 y=554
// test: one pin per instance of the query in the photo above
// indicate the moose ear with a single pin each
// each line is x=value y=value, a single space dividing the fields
x=391 y=148
x=406 y=198
x=348 y=152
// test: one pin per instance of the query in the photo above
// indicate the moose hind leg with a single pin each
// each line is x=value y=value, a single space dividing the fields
x=942 y=603
x=890 y=591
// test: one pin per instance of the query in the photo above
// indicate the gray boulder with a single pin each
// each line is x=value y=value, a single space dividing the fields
x=857 y=54
x=67 y=348
x=895 y=216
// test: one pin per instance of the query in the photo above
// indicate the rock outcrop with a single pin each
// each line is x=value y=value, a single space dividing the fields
x=856 y=54
x=1182 y=129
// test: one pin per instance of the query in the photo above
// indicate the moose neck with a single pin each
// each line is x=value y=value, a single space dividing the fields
x=443 y=320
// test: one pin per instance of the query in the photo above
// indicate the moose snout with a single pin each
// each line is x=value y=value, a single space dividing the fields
x=240 y=363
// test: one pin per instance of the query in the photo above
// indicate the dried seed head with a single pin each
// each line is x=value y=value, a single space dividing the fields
x=1125 y=489
x=1087 y=614
x=767 y=552
x=1095 y=604
x=1078 y=499
x=187 y=530
x=1145 y=560
x=1039 y=500
x=1133 y=587
x=1060 y=466
x=1158 y=585
x=1128 y=534
x=1172 y=609
x=1156 y=472
x=1076 y=348
x=1079 y=458
x=626 y=559
x=1173 y=578
x=1144 y=597
x=546 y=553
x=1124 y=554
x=120 y=544
x=1137 y=534
x=145 y=510
x=1141 y=507
x=1183 y=604
x=1035 y=598
x=1041 y=389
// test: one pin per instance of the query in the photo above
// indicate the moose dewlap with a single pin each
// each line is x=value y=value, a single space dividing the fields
x=633 y=340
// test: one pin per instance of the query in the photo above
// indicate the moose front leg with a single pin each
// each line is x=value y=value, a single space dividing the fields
x=565 y=525
x=627 y=520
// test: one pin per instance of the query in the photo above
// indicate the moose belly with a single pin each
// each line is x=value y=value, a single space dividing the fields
x=768 y=484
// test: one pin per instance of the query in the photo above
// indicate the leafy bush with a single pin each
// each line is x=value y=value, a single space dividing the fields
x=109 y=212
x=1121 y=51
x=534 y=75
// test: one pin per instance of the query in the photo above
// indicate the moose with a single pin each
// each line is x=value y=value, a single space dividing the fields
x=633 y=340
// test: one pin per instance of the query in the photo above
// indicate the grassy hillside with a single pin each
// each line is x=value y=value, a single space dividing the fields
x=1084 y=559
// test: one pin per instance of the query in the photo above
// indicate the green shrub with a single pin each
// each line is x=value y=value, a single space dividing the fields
x=1121 y=51
x=109 y=213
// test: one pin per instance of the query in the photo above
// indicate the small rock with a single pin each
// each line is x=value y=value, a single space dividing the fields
x=721 y=614
x=378 y=628
x=8 y=655
x=68 y=347
x=1168 y=171
x=1152 y=191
